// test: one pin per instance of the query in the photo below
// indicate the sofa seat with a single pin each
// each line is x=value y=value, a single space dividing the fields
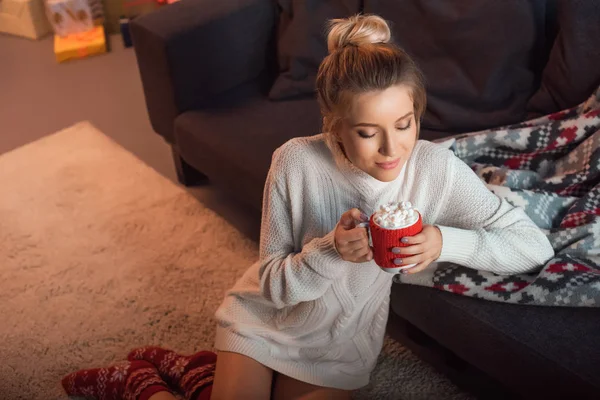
x=237 y=142
x=516 y=344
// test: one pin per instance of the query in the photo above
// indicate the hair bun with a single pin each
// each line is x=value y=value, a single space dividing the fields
x=357 y=30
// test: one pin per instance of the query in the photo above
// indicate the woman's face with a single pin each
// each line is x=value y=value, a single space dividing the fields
x=380 y=132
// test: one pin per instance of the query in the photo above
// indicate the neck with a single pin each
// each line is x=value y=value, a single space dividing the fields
x=361 y=179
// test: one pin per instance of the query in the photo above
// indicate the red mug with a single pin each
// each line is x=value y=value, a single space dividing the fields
x=384 y=239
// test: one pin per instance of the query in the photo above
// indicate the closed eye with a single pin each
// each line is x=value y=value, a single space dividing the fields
x=405 y=127
x=364 y=135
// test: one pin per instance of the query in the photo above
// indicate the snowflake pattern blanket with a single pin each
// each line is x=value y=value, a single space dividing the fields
x=550 y=167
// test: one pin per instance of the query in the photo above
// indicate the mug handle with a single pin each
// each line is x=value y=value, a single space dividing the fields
x=368 y=228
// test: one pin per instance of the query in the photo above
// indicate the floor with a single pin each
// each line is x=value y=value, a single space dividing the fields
x=38 y=97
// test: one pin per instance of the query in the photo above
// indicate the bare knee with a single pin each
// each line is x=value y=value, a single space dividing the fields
x=241 y=377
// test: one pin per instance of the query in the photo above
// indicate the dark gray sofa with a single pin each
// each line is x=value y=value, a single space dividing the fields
x=227 y=82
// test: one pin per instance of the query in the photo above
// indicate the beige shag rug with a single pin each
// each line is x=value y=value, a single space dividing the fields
x=100 y=254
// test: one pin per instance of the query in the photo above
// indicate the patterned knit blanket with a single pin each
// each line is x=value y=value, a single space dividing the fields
x=550 y=167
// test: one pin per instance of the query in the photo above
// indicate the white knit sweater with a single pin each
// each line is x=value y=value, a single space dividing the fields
x=303 y=311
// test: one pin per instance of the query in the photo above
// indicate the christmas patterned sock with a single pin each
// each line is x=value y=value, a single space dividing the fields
x=203 y=393
x=129 y=380
x=191 y=375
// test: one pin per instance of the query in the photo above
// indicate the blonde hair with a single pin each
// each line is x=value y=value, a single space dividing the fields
x=362 y=59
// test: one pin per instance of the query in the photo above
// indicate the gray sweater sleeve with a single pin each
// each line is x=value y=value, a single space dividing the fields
x=484 y=232
x=288 y=277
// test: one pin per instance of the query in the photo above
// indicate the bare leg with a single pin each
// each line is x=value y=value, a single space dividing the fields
x=287 y=388
x=240 y=377
x=162 y=396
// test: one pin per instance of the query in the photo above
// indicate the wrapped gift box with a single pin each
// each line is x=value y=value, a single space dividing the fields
x=69 y=16
x=79 y=45
x=25 y=18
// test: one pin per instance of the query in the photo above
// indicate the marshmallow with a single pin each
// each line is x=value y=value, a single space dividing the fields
x=396 y=215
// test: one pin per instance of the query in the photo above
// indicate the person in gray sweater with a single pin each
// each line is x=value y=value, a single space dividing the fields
x=307 y=320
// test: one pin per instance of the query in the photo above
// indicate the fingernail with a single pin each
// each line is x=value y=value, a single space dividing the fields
x=363 y=216
x=396 y=250
x=404 y=240
x=397 y=261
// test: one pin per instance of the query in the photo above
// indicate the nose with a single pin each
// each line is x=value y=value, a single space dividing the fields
x=388 y=146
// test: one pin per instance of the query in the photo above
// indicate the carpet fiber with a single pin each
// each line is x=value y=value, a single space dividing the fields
x=100 y=254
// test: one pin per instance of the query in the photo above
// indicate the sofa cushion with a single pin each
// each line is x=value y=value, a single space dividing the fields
x=573 y=69
x=480 y=58
x=533 y=350
x=189 y=57
x=302 y=44
x=233 y=146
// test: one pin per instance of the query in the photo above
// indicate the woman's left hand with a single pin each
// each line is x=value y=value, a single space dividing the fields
x=424 y=248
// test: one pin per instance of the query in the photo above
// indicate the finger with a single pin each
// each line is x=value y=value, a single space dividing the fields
x=416 y=239
x=417 y=268
x=364 y=255
x=350 y=248
x=362 y=251
x=409 y=260
x=359 y=245
x=364 y=259
x=355 y=234
x=346 y=237
x=349 y=218
x=346 y=254
x=409 y=250
x=346 y=220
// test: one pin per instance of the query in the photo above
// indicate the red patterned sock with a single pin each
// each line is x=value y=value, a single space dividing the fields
x=191 y=375
x=203 y=394
x=129 y=380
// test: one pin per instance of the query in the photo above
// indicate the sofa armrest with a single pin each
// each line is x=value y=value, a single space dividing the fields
x=191 y=51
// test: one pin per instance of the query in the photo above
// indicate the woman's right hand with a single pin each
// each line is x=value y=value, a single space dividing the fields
x=352 y=242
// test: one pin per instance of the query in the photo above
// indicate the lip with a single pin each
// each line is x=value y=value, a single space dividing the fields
x=389 y=165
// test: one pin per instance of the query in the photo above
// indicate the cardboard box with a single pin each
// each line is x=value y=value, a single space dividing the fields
x=25 y=18
x=80 y=45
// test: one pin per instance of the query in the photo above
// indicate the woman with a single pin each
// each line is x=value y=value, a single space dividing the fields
x=308 y=319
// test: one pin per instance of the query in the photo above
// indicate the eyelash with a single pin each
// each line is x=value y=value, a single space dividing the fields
x=365 y=136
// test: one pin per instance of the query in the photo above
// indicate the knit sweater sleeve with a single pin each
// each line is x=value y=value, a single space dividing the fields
x=289 y=275
x=484 y=232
